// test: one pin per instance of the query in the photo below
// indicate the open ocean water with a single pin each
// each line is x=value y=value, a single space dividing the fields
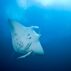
x=55 y=29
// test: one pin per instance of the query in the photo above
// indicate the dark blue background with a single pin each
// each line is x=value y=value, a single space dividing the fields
x=55 y=28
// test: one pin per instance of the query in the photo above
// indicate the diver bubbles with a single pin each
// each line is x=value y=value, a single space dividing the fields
x=22 y=3
x=14 y=11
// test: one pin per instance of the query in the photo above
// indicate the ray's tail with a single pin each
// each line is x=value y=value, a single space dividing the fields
x=27 y=54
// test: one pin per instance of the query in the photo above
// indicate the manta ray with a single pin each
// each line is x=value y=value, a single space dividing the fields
x=25 y=40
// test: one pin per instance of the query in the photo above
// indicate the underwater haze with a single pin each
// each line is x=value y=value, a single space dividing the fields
x=54 y=20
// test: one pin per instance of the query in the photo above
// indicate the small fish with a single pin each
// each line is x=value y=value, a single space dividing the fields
x=24 y=39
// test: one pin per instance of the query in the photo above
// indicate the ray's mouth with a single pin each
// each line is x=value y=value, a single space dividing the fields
x=36 y=29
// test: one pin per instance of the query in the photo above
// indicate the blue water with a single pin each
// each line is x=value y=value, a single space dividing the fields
x=55 y=28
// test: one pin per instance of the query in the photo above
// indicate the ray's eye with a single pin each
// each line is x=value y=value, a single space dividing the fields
x=29 y=36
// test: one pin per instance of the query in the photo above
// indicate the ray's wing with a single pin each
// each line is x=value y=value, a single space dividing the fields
x=36 y=47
